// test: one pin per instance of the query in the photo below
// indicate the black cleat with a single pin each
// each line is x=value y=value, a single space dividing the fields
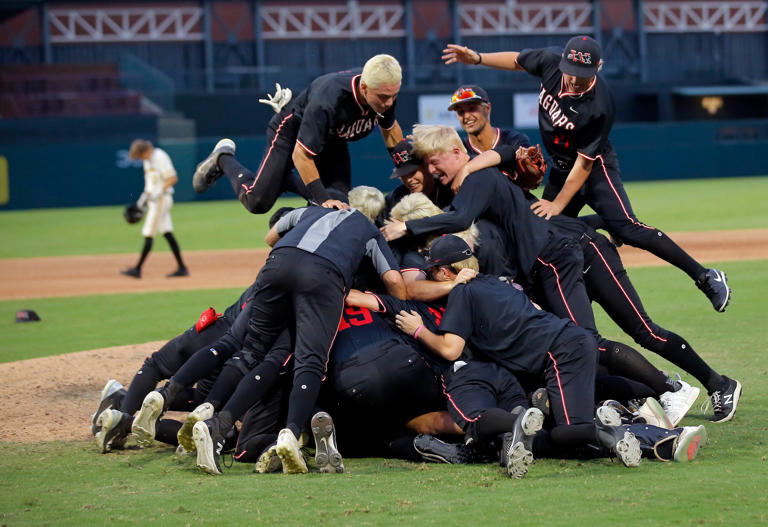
x=617 y=439
x=431 y=449
x=327 y=455
x=540 y=400
x=112 y=396
x=114 y=428
x=714 y=284
x=208 y=171
x=725 y=401
x=181 y=271
x=209 y=443
x=134 y=272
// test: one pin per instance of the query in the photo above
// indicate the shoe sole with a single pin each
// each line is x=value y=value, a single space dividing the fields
x=736 y=397
x=658 y=416
x=608 y=415
x=293 y=462
x=111 y=387
x=204 y=447
x=628 y=451
x=106 y=423
x=144 y=424
x=268 y=462
x=519 y=461
x=688 y=444
x=184 y=435
x=533 y=420
x=327 y=456
x=199 y=182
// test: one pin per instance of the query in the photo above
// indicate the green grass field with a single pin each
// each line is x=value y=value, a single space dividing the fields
x=70 y=483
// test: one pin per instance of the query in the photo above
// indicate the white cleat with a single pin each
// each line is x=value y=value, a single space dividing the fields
x=184 y=435
x=327 y=455
x=688 y=443
x=144 y=423
x=290 y=453
x=677 y=404
x=653 y=414
x=207 y=456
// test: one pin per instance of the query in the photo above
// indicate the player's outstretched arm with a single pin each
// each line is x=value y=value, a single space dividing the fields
x=575 y=180
x=393 y=135
x=503 y=60
x=489 y=158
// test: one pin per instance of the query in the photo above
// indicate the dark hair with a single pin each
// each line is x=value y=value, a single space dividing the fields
x=279 y=213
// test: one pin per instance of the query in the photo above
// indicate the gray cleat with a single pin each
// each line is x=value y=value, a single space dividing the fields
x=208 y=171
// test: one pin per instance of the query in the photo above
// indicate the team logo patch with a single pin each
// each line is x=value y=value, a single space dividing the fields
x=580 y=57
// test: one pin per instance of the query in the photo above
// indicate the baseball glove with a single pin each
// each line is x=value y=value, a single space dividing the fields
x=530 y=167
x=133 y=213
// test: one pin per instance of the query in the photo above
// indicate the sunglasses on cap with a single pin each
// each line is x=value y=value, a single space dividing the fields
x=463 y=94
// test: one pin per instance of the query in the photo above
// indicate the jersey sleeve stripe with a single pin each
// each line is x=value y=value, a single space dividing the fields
x=310 y=152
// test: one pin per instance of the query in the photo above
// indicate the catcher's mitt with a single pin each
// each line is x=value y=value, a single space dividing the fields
x=133 y=213
x=530 y=167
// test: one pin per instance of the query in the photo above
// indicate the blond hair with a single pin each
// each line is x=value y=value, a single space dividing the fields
x=381 y=69
x=430 y=139
x=368 y=200
x=417 y=206
x=138 y=148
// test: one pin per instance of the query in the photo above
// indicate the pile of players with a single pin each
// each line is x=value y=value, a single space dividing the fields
x=450 y=321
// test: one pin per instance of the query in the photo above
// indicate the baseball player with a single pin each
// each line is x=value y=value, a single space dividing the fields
x=608 y=284
x=304 y=281
x=311 y=135
x=540 y=253
x=159 y=179
x=500 y=324
x=576 y=113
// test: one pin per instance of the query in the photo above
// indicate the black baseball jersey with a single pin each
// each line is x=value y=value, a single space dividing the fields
x=505 y=139
x=343 y=237
x=329 y=111
x=500 y=324
x=431 y=316
x=490 y=195
x=570 y=124
x=360 y=327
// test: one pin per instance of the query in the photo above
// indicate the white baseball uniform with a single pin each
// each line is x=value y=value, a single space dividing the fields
x=157 y=170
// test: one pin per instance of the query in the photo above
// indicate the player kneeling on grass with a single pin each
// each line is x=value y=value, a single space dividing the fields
x=501 y=325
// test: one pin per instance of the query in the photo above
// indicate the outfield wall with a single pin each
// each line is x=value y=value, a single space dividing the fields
x=61 y=169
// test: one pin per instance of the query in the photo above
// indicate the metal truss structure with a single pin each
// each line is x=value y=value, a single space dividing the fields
x=350 y=20
x=678 y=17
x=521 y=19
x=79 y=25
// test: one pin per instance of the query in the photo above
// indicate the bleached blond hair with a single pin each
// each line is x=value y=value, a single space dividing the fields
x=381 y=69
x=368 y=200
x=430 y=139
x=417 y=206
